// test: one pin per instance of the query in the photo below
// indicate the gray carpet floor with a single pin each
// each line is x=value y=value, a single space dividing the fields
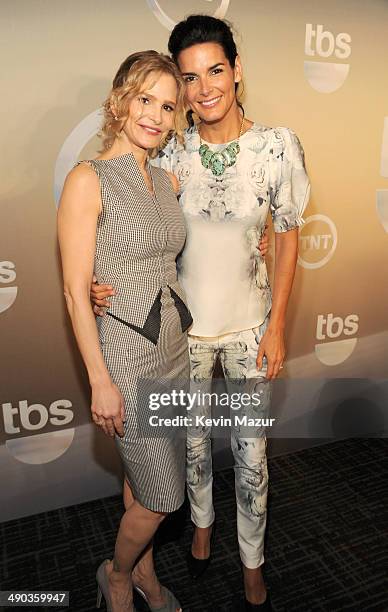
x=326 y=546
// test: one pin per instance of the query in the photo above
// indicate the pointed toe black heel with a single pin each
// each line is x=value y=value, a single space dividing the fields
x=197 y=567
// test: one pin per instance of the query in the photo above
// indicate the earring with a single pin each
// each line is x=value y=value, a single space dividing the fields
x=115 y=117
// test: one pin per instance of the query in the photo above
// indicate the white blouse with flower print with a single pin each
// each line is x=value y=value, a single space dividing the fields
x=220 y=268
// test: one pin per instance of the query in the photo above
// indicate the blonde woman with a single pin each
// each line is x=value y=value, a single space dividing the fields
x=119 y=218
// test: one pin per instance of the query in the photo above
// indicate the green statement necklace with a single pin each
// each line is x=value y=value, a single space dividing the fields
x=218 y=161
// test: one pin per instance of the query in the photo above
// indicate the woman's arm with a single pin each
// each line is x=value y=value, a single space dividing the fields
x=286 y=254
x=289 y=198
x=272 y=343
x=77 y=220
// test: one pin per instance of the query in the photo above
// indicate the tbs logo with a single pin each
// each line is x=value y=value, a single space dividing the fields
x=7 y=294
x=43 y=447
x=317 y=242
x=330 y=326
x=326 y=77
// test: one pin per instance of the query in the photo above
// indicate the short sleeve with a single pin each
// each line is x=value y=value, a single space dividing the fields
x=292 y=189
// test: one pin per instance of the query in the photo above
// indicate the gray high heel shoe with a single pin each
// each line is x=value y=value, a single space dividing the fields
x=171 y=605
x=103 y=587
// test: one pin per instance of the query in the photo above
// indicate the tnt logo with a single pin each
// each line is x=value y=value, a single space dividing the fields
x=317 y=242
x=7 y=276
x=332 y=327
x=25 y=418
x=195 y=7
x=326 y=77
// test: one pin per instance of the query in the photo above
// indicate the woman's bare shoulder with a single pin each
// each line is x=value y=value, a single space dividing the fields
x=81 y=187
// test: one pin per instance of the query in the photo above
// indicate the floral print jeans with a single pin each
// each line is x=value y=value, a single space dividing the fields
x=237 y=353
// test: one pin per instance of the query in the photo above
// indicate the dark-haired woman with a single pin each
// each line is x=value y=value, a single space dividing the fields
x=232 y=172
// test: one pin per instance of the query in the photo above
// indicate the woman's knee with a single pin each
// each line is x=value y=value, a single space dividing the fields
x=151 y=515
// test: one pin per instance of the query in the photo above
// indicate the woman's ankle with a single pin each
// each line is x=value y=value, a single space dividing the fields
x=116 y=576
x=201 y=542
x=140 y=577
x=254 y=585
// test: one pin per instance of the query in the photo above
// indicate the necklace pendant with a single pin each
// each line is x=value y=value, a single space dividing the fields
x=234 y=147
x=219 y=161
x=217 y=164
x=206 y=157
x=229 y=157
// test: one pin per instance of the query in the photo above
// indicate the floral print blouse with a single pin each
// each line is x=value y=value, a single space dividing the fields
x=220 y=268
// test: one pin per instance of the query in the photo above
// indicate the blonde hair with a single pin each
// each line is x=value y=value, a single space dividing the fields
x=129 y=82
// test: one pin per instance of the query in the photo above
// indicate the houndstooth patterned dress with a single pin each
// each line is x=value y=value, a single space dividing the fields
x=143 y=335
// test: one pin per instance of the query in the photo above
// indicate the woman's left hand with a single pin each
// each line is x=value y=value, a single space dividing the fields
x=107 y=407
x=272 y=347
x=264 y=243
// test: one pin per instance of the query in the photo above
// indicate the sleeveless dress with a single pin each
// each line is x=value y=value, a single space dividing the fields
x=143 y=335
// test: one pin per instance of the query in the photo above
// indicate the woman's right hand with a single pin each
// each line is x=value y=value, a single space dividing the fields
x=108 y=408
x=99 y=295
